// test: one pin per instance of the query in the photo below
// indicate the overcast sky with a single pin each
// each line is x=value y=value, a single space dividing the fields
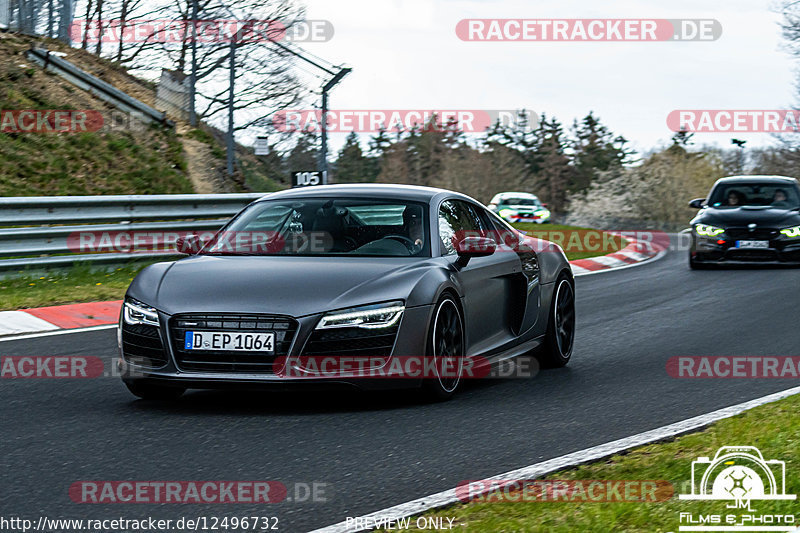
x=405 y=55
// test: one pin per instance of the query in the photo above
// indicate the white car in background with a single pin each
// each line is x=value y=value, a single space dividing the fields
x=520 y=207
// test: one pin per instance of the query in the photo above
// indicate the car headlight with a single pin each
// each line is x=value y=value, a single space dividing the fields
x=376 y=316
x=135 y=313
x=506 y=213
x=791 y=232
x=708 y=231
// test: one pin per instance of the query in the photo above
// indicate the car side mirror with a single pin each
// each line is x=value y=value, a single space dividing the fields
x=544 y=204
x=470 y=247
x=697 y=203
x=188 y=244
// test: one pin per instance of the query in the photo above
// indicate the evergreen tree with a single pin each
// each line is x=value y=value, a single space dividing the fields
x=352 y=165
x=595 y=148
x=555 y=173
x=305 y=154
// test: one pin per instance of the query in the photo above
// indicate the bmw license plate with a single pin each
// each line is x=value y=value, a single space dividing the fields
x=752 y=244
x=229 y=341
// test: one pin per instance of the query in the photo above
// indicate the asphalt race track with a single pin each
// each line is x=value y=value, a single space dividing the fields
x=374 y=451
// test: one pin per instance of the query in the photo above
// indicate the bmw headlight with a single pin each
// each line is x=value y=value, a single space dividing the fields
x=708 y=231
x=135 y=313
x=376 y=316
x=791 y=232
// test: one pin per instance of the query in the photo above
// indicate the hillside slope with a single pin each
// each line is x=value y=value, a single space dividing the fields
x=114 y=160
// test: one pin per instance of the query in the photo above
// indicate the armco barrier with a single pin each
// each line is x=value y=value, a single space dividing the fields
x=96 y=86
x=35 y=231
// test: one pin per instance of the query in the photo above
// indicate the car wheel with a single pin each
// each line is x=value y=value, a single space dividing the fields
x=148 y=391
x=446 y=348
x=560 y=337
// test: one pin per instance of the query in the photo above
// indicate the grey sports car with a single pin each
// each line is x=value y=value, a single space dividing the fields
x=355 y=277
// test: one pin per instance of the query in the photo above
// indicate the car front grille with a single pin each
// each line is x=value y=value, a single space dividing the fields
x=751 y=255
x=347 y=342
x=284 y=328
x=759 y=234
x=142 y=345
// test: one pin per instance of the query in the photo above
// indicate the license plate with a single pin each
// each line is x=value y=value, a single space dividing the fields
x=229 y=342
x=752 y=244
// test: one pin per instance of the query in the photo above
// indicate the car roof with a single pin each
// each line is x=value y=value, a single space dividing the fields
x=758 y=179
x=366 y=190
x=515 y=195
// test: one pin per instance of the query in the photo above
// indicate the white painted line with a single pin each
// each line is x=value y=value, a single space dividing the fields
x=59 y=332
x=14 y=322
x=448 y=497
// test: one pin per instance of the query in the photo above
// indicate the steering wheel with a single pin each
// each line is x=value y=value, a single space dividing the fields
x=412 y=247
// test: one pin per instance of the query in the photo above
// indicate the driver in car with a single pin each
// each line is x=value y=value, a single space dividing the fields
x=779 y=198
x=735 y=198
x=412 y=224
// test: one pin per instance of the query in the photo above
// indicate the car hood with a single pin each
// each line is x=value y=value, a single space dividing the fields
x=742 y=216
x=295 y=286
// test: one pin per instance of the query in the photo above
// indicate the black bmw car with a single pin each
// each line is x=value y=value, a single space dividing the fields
x=304 y=280
x=747 y=219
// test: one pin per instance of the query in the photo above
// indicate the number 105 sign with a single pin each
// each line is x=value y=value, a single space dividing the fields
x=308 y=178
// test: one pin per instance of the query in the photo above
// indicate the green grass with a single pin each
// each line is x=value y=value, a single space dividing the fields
x=577 y=242
x=78 y=284
x=773 y=428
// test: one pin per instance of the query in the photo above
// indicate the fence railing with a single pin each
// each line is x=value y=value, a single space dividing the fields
x=42 y=232
x=96 y=86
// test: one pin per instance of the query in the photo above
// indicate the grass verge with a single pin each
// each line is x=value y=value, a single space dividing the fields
x=773 y=428
x=81 y=283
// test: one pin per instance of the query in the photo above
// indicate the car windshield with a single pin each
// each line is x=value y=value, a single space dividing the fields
x=755 y=194
x=326 y=226
x=520 y=201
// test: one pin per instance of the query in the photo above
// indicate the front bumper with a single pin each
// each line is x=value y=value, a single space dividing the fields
x=410 y=341
x=724 y=250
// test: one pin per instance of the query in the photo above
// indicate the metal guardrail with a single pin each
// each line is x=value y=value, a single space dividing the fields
x=45 y=228
x=96 y=86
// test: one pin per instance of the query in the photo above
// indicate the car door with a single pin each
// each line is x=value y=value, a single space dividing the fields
x=528 y=297
x=488 y=282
